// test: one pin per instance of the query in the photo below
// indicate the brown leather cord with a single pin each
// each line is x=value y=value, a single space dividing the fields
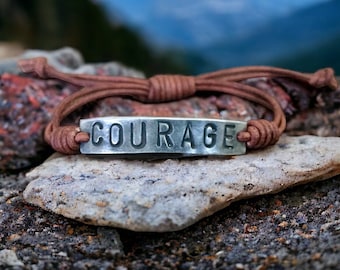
x=163 y=88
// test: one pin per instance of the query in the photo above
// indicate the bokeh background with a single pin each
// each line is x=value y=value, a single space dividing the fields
x=179 y=36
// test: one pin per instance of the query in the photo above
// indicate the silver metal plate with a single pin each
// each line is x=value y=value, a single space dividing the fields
x=162 y=135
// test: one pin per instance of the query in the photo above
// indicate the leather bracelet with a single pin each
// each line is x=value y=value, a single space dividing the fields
x=177 y=135
x=162 y=135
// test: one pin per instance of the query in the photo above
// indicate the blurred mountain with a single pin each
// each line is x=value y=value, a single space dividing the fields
x=307 y=30
x=325 y=54
x=192 y=23
x=216 y=34
x=181 y=36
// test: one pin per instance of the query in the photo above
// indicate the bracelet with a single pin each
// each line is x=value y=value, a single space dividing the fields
x=159 y=135
x=162 y=135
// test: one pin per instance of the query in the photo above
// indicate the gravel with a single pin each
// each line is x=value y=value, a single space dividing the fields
x=295 y=229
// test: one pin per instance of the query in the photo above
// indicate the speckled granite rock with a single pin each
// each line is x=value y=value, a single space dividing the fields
x=169 y=195
x=27 y=103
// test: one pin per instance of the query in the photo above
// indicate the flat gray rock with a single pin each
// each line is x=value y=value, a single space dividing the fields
x=169 y=195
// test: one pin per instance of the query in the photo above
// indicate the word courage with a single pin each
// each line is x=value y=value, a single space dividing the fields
x=160 y=135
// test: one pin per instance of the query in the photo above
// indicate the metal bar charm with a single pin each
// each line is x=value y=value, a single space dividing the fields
x=161 y=135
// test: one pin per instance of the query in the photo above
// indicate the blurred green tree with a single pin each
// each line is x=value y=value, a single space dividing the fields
x=82 y=24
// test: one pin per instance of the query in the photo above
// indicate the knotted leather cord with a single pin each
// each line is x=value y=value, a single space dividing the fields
x=163 y=88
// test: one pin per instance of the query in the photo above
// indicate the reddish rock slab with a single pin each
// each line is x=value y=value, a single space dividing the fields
x=27 y=103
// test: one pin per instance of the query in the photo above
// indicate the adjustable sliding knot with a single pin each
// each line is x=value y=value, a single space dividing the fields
x=66 y=139
x=36 y=65
x=170 y=87
x=324 y=77
x=260 y=133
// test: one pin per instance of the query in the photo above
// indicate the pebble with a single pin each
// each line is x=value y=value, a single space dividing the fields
x=69 y=60
x=9 y=258
x=172 y=194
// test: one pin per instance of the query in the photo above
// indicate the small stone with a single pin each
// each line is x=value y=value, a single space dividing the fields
x=276 y=212
x=283 y=224
x=120 y=267
x=239 y=266
x=65 y=59
x=281 y=240
x=249 y=229
x=169 y=195
x=316 y=256
x=13 y=237
x=9 y=258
